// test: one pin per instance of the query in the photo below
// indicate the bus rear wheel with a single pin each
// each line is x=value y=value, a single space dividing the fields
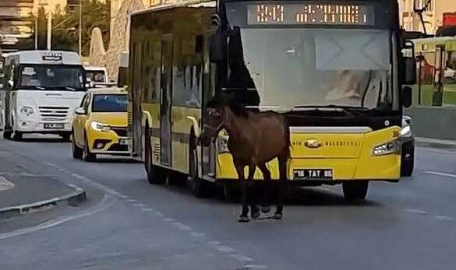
x=199 y=187
x=155 y=175
x=355 y=190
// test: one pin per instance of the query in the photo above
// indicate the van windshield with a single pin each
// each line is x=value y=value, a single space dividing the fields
x=51 y=77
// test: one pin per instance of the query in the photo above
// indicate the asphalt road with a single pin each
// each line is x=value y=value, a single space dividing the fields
x=129 y=224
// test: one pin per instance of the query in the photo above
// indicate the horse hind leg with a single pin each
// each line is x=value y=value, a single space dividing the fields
x=265 y=207
x=283 y=184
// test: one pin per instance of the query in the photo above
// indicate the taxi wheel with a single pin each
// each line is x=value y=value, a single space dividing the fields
x=155 y=175
x=355 y=190
x=77 y=152
x=86 y=155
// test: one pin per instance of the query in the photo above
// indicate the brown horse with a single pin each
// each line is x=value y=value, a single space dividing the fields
x=255 y=138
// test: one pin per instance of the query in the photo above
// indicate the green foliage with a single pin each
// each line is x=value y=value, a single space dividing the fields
x=65 y=26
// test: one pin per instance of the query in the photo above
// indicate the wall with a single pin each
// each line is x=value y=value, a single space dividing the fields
x=433 y=122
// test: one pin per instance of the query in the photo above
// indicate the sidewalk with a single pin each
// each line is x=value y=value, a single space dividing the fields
x=435 y=143
x=22 y=191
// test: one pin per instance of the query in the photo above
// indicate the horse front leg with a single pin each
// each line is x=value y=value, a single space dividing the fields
x=283 y=184
x=245 y=207
x=265 y=208
x=252 y=194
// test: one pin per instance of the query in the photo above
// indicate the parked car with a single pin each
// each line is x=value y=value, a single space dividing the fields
x=408 y=147
x=100 y=124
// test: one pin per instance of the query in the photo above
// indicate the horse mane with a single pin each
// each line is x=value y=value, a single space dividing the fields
x=229 y=101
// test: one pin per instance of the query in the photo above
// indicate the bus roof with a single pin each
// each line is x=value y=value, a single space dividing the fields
x=45 y=57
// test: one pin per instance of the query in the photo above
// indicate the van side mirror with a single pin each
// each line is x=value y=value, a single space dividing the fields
x=80 y=111
x=409 y=63
x=218 y=48
x=407 y=96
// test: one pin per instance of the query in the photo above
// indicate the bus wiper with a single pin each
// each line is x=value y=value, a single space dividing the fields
x=354 y=111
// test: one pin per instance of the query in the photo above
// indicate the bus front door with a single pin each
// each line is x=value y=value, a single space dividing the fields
x=165 y=97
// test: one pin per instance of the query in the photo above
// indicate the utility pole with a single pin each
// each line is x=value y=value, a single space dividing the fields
x=36 y=32
x=80 y=28
x=49 y=30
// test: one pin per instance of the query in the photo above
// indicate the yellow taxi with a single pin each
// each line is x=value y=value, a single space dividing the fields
x=100 y=124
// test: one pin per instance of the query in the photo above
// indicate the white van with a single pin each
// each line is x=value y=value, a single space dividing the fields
x=97 y=77
x=41 y=91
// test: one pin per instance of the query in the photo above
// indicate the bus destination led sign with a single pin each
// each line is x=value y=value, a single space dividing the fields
x=310 y=14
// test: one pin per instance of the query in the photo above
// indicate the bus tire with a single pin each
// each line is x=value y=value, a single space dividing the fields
x=6 y=134
x=355 y=190
x=155 y=174
x=86 y=155
x=77 y=152
x=199 y=187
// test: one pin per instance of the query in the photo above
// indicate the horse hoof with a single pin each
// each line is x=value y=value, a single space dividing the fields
x=243 y=220
x=255 y=215
x=277 y=216
x=265 y=209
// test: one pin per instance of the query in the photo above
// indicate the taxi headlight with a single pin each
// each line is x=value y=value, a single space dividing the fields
x=388 y=148
x=99 y=126
x=222 y=144
x=27 y=110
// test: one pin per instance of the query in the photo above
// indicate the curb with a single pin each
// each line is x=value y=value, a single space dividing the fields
x=79 y=195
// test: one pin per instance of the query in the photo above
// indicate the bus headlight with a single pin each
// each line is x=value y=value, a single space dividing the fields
x=392 y=147
x=405 y=132
x=222 y=144
x=26 y=110
x=100 y=126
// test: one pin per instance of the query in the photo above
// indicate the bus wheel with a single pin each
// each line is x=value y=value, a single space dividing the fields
x=199 y=187
x=6 y=133
x=86 y=155
x=155 y=175
x=355 y=190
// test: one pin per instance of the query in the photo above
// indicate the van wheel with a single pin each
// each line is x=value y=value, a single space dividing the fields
x=199 y=187
x=66 y=136
x=155 y=174
x=7 y=134
x=17 y=135
x=77 y=152
x=86 y=155
x=355 y=190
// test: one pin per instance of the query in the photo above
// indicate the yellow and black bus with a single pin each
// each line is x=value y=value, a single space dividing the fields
x=334 y=68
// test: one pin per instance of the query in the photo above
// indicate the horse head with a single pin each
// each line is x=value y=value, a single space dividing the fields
x=216 y=113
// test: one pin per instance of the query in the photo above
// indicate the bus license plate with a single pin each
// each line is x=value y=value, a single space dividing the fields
x=313 y=174
x=54 y=125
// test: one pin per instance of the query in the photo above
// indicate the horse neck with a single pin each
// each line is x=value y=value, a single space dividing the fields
x=233 y=125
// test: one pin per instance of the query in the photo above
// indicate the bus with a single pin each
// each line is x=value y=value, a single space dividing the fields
x=337 y=70
x=41 y=91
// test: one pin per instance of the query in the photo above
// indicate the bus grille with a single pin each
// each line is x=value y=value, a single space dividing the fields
x=53 y=113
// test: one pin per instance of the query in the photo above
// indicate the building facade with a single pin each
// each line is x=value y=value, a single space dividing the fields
x=433 y=16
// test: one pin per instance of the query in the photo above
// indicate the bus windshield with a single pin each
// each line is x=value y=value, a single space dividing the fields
x=290 y=67
x=51 y=77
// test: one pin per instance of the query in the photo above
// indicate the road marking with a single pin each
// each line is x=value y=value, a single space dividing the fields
x=182 y=226
x=169 y=220
x=105 y=203
x=131 y=200
x=139 y=205
x=441 y=174
x=197 y=234
x=415 y=211
x=241 y=258
x=256 y=266
x=442 y=217
x=123 y=196
x=5 y=184
x=225 y=249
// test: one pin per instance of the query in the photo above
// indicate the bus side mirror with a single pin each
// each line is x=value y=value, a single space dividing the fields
x=410 y=71
x=407 y=96
x=218 y=48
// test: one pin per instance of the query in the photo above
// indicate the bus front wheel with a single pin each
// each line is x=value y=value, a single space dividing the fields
x=199 y=187
x=155 y=175
x=355 y=190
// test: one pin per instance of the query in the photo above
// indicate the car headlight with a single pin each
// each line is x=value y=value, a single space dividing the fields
x=405 y=132
x=222 y=144
x=26 y=110
x=388 y=148
x=99 y=126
